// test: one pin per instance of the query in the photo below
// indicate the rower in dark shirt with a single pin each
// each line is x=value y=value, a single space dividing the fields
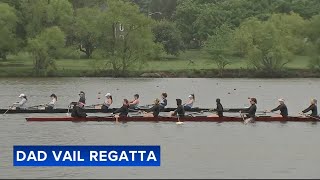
x=282 y=107
x=180 y=109
x=251 y=111
x=82 y=97
x=313 y=108
x=124 y=110
x=78 y=110
x=219 y=110
x=154 y=111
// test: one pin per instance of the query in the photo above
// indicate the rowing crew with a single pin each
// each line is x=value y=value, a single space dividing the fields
x=251 y=111
x=22 y=103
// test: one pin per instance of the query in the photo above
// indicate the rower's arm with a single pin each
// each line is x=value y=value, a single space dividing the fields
x=276 y=109
x=308 y=109
x=118 y=110
x=151 y=109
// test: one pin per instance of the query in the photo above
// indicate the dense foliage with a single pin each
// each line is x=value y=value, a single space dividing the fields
x=127 y=33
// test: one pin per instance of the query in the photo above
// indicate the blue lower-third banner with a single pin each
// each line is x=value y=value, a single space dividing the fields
x=86 y=155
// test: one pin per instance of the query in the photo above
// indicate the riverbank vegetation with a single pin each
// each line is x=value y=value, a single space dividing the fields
x=160 y=38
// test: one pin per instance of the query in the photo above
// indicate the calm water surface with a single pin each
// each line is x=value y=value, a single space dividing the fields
x=193 y=150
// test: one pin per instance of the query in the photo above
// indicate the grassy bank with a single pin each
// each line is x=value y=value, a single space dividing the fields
x=188 y=64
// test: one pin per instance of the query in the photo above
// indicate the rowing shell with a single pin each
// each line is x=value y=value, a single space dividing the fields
x=99 y=110
x=173 y=119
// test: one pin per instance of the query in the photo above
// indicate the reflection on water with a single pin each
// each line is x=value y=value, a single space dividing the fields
x=204 y=150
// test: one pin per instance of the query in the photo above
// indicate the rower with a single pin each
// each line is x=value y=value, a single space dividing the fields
x=180 y=109
x=123 y=111
x=219 y=109
x=107 y=102
x=135 y=102
x=189 y=104
x=313 y=108
x=82 y=97
x=251 y=111
x=52 y=103
x=22 y=103
x=78 y=110
x=164 y=101
x=154 y=111
x=282 y=107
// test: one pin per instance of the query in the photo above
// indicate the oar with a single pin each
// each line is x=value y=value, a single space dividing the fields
x=7 y=110
x=36 y=106
x=179 y=122
x=68 y=114
x=309 y=116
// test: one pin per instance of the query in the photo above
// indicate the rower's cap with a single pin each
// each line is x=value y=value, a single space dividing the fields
x=21 y=95
x=52 y=95
x=281 y=100
x=108 y=94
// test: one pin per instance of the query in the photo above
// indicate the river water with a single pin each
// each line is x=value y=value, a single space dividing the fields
x=193 y=150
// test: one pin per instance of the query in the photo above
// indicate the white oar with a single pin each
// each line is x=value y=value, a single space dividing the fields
x=68 y=114
x=7 y=110
x=179 y=122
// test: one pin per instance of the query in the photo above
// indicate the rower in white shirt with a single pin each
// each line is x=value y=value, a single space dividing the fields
x=22 y=103
x=52 y=103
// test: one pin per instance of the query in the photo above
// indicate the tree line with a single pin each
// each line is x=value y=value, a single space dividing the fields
x=128 y=33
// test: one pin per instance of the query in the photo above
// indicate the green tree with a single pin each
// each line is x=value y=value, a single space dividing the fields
x=86 y=29
x=41 y=14
x=127 y=40
x=219 y=47
x=44 y=48
x=186 y=14
x=8 y=23
x=314 y=42
x=269 y=51
x=169 y=36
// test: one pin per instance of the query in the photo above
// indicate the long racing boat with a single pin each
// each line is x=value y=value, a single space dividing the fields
x=174 y=119
x=92 y=110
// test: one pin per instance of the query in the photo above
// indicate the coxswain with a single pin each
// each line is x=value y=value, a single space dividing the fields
x=188 y=105
x=135 y=102
x=123 y=111
x=180 y=109
x=219 y=109
x=78 y=110
x=52 y=103
x=154 y=111
x=164 y=101
x=313 y=108
x=107 y=102
x=22 y=103
x=282 y=107
x=251 y=111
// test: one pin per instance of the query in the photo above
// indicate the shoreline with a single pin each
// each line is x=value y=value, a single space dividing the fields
x=190 y=73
